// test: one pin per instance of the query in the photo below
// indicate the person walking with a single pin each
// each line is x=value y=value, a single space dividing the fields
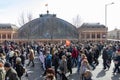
x=31 y=57
x=2 y=71
x=19 y=67
x=11 y=74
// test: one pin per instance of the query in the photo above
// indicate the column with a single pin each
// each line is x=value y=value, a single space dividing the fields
x=0 y=37
x=96 y=36
x=11 y=36
x=101 y=36
x=6 y=36
x=90 y=35
x=85 y=36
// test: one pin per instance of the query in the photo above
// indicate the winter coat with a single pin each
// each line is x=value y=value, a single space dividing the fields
x=18 y=68
x=104 y=54
x=69 y=62
x=83 y=68
x=2 y=74
x=31 y=55
x=63 y=66
x=74 y=53
x=11 y=74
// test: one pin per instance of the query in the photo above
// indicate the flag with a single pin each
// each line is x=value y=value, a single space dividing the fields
x=68 y=43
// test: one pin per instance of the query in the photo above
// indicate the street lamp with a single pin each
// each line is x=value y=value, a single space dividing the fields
x=106 y=5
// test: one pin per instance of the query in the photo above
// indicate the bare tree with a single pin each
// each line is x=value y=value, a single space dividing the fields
x=21 y=19
x=24 y=18
x=29 y=17
x=77 y=21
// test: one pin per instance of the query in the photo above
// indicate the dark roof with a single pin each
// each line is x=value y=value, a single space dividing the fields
x=8 y=26
x=92 y=25
x=48 y=26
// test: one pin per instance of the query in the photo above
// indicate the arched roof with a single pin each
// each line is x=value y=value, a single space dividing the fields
x=48 y=26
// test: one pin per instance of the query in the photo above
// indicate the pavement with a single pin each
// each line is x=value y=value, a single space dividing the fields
x=35 y=73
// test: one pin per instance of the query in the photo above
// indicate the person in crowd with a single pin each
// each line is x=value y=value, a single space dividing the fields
x=110 y=54
x=19 y=67
x=90 y=58
x=2 y=71
x=48 y=61
x=79 y=61
x=117 y=62
x=63 y=68
x=42 y=59
x=50 y=74
x=74 y=56
x=96 y=55
x=22 y=56
x=11 y=74
x=11 y=54
x=14 y=59
x=31 y=57
x=105 y=58
x=88 y=75
x=84 y=66
x=56 y=62
x=61 y=52
x=69 y=62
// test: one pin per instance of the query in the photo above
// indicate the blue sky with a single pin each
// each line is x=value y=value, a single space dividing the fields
x=91 y=11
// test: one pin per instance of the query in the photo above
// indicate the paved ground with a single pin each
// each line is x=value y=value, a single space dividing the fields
x=34 y=73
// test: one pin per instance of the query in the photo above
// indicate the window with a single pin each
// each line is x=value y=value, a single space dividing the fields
x=9 y=36
x=3 y=36
x=87 y=35
x=93 y=35
x=98 y=35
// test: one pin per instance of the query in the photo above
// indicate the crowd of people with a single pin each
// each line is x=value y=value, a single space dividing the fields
x=83 y=56
x=57 y=59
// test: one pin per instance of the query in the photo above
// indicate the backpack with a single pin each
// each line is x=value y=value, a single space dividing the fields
x=22 y=69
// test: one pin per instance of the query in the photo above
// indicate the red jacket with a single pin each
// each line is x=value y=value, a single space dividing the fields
x=74 y=53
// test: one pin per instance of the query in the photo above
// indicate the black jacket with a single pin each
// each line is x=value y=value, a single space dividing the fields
x=105 y=55
x=18 y=68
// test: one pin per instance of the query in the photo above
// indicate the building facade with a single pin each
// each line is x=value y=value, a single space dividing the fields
x=8 y=32
x=114 y=34
x=92 y=32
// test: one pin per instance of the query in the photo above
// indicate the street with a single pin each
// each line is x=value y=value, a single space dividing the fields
x=35 y=73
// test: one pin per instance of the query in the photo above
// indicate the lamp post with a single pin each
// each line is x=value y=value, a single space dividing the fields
x=106 y=5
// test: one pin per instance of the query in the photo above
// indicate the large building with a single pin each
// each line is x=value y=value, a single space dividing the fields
x=47 y=26
x=92 y=32
x=114 y=34
x=8 y=32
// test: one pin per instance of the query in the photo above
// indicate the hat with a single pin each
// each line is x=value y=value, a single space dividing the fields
x=7 y=64
x=18 y=59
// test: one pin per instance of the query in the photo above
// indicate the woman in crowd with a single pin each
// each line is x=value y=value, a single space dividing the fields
x=84 y=66
x=63 y=68
x=50 y=74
